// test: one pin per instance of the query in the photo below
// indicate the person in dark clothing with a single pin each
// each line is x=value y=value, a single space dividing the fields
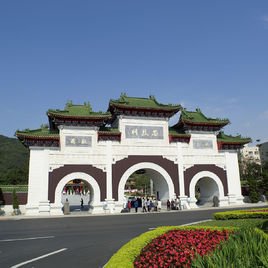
x=82 y=203
x=168 y=205
x=136 y=204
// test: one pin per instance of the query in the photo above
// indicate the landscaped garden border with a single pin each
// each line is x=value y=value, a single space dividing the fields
x=127 y=254
x=260 y=213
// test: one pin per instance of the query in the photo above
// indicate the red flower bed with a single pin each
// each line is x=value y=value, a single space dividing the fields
x=257 y=210
x=177 y=248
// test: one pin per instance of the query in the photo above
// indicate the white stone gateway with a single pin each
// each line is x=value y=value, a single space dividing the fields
x=193 y=160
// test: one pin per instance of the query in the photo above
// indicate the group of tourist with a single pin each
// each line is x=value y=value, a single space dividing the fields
x=146 y=204
x=174 y=204
x=150 y=204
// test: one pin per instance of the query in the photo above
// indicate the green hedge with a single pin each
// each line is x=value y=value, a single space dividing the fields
x=126 y=255
x=242 y=214
x=18 y=188
x=243 y=223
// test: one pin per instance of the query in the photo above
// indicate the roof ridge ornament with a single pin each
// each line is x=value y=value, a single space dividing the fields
x=152 y=97
x=123 y=97
x=88 y=105
x=44 y=126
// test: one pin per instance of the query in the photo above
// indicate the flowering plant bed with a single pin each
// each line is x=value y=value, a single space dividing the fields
x=257 y=210
x=178 y=248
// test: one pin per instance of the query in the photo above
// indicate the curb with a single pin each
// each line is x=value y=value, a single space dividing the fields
x=22 y=217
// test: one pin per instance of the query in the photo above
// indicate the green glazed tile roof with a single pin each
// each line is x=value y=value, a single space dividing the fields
x=197 y=117
x=222 y=137
x=107 y=130
x=78 y=111
x=145 y=103
x=38 y=133
x=178 y=133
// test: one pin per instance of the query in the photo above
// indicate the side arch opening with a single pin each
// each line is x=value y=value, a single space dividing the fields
x=81 y=191
x=206 y=189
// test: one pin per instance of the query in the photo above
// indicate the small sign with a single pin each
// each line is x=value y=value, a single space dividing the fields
x=78 y=141
x=202 y=144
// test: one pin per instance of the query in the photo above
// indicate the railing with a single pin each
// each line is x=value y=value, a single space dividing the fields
x=18 y=188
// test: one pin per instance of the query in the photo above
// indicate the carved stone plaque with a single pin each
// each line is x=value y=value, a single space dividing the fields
x=144 y=132
x=202 y=144
x=78 y=141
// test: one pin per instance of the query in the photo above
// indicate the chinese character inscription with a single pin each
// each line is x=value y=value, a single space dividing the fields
x=144 y=132
x=202 y=144
x=78 y=141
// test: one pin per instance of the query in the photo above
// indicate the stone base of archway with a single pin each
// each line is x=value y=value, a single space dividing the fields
x=42 y=209
x=31 y=210
x=223 y=202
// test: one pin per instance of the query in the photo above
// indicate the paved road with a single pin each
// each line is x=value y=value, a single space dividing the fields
x=86 y=241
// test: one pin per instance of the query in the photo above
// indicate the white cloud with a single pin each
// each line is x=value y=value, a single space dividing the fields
x=265 y=18
x=232 y=100
x=247 y=124
x=264 y=115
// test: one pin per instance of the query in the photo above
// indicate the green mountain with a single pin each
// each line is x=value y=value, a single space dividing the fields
x=14 y=161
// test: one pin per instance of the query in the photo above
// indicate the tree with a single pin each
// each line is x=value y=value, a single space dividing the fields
x=14 y=161
x=251 y=176
x=15 y=200
x=264 y=182
x=2 y=199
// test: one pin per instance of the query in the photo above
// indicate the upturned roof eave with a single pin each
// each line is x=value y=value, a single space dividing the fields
x=209 y=123
x=81 y=117
x=34 y=136
x=242 y=142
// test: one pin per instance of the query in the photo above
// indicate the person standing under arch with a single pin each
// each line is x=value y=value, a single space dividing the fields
x=82 y=203
x=136 y=204
x=168 y=205
x=129 y=205
x=143 y=202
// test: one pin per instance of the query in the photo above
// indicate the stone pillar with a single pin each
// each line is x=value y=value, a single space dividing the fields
x=182 y=196
x=38 y=202
x=233 y=178
x=180 y=170
x=151 y=187
x=110 y=204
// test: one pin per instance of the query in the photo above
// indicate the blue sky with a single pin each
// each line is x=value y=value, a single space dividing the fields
x=206 y=54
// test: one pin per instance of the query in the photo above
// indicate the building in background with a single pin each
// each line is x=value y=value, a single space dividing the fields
x=263 y=148
x=250 y=154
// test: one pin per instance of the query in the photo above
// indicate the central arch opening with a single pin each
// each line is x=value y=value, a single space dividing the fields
x=146 y=184
x=146 y=180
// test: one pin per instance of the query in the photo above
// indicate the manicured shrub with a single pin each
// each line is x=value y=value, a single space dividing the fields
x=242 y=214
x=244 y=223
x=2 y=199
x=15 y=200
